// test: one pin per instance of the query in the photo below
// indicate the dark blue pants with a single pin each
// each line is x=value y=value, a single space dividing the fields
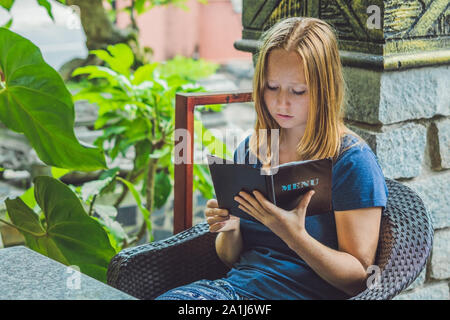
x=203 y=290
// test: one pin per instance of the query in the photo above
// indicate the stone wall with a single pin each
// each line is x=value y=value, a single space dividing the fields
x=405 y=118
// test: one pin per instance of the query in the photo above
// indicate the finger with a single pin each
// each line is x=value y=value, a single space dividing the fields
x=255 y=214
x=303 y=205
x=251 y=200
x=243 y=203
x=216 y=227
x=216 y=219
x=210 y=212
x=212 y=203
x=266 y=204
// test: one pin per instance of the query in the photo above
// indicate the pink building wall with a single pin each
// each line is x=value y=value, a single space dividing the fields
x=206 y=30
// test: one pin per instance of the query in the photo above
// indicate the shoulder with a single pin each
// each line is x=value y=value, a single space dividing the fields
x=358 y=179
x=355 y=152
x=242 y=150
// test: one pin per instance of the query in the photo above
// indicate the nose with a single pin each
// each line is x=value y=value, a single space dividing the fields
x=283 y=100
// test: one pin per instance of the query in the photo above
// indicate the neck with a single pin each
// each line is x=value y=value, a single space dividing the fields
x=292 y=136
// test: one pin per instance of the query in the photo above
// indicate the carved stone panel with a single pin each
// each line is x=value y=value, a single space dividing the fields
x=404 y=26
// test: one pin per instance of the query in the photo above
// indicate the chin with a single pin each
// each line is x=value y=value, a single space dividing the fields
x=288 y=126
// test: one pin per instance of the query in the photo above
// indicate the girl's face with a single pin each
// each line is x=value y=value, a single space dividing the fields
x=286 y=94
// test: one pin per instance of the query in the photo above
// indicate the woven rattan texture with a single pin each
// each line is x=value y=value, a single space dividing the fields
x=406 y=237
x=148 y=270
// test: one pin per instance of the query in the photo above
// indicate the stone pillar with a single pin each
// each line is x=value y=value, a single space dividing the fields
x=396 y=58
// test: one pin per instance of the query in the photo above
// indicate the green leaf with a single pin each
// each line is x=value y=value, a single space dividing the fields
x=95 y=72
x=28 y=196
x=144 y=73
x=187 y=68
x=47 y=6
x=8 y=24
x=69 y=235
x=159 y=153
x=107 y=215
x=142 y=150
x=137 y=198
x=36 y=103
x=96 y=187
x=120 y=57
x=163 y=188
x=59 y=172
x=214 y=145
x=139 y=6
x=7 y=4
x=203 y=181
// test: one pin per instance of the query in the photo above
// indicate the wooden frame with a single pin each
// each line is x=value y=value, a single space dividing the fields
x=184 y=119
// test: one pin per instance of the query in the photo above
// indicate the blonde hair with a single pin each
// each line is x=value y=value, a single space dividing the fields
x=315 y=42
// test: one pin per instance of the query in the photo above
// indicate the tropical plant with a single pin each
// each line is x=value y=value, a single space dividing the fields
x=136 y=111
x=34 y=101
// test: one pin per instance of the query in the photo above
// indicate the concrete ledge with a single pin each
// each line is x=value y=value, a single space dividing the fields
x=437 y=291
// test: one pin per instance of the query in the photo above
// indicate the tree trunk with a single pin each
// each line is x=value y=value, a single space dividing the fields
x=100 y=31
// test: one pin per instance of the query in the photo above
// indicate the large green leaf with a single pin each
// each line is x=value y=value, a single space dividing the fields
x=69 y=235
x=35 y=102
x=7 y=4
x=120 y=57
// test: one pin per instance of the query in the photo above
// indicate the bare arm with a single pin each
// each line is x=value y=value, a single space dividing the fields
x=229 y=246
x=345 y=268
x=357 y=233
x=229 y=240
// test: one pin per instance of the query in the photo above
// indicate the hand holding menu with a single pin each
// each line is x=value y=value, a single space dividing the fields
x=285 y=188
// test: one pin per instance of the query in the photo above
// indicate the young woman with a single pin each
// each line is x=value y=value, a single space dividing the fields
x=299 y=89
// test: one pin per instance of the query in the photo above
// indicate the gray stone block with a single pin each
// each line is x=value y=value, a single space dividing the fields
x=28 y=275
x=363 y=94
x=438 y=291
x=400 y=151
x=433 y=190
x=443 y=135
x=420 y=280
x=440 y=257
x=391 y=97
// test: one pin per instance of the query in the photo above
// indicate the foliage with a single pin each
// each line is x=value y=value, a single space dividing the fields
x=136 y=110
x=66 y=234
x=34 y=101
x=7 y=4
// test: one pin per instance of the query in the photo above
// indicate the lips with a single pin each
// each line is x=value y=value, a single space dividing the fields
x=283 y=116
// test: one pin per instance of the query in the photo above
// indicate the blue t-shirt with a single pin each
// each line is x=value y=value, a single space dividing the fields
x=269 y=269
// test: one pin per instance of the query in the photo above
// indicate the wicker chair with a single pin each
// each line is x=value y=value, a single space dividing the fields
x=146 y=271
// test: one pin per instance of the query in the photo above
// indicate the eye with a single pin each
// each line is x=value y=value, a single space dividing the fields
x=299 y=93
x=271 y=88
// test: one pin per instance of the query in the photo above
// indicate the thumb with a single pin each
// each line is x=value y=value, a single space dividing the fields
x=303 y=204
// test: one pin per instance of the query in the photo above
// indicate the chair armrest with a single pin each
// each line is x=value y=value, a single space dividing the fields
x=151 y=269
x=406 y=241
